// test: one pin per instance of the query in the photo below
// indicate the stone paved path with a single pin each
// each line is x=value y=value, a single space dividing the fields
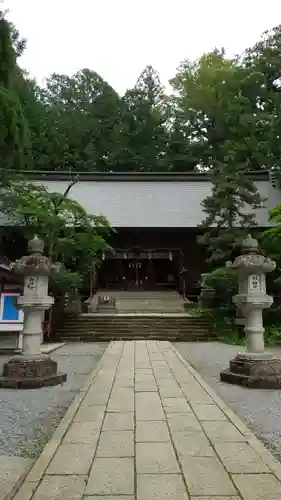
x=148 y=428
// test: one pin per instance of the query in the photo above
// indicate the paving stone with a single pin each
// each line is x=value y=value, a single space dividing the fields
x=122 y=392
x=83 y=432
x=163 y=382
x=150 y=399
x=208 y=412
x=111 y=476
x=121 y=403
x=11 y=469
x=139 y=373
x=215 y=498
x=109 y=497
x=190 y=443
x=196 y=394
x=72 y=459
x=124 y=382
x=146 y=388
x=222 y=432
x=156 y=458
x=183 y=422
x=25 y=492
x=176 y=405
x=152 y=432
x=118 y=421
x=61 y=488
x=144 y=364
x=93 y=398
x=170 y=392
x=146 y=413
x=206 y=476
x=240 y=458
x=90 y=414
x=258 y=486
x=116 y=444
x=161 y=487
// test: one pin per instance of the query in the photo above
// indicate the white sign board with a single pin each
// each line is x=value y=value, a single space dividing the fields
x=255 y=284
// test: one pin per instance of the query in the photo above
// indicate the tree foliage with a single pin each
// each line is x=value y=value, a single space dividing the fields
x=71 y=235
x=14 y=142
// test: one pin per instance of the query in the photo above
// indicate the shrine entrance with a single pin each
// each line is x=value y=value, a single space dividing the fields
x=136 y=275
x=135 y=270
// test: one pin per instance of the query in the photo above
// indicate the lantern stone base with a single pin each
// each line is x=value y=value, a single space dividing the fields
x=30 y=372
x=255 y=372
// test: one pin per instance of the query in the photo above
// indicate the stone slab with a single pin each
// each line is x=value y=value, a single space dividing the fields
x=12 y=469
x=90 y=414
x=116 y=444
x=118 y=421
x=93 y=398
x=221 y=431
x=156 y=458
x=240 y=458
x=183 y=422
x=83 y=433
x=190 y=443
x=176 y=405
x=172 y=391
x=208 y=412
x=109 y=497
x=61 y=487
x=152 y=432
x=258 y=486
x=72 y=459
x=147 y=413
x=111 y=476
x=215 y=498
x=206 y=476
x=161 y=487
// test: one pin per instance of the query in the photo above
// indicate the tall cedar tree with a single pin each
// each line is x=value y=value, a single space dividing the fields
x=145 y=124
x=14 y=142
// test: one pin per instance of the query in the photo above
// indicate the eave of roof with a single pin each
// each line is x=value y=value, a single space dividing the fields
x=259 y=175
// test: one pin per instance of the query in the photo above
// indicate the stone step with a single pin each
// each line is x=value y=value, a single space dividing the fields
x=146 y=301
x=93 y=327
x=170 y=338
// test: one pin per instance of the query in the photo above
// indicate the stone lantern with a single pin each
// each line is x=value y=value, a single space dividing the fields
x=254 y=367
x=32 y=369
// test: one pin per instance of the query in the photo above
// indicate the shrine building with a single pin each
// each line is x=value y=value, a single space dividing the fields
x=156 y=218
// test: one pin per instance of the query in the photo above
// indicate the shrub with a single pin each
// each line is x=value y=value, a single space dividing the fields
x=224 y=282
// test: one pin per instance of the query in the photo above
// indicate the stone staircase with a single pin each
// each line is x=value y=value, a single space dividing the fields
x=166 y=301
x=104 y=327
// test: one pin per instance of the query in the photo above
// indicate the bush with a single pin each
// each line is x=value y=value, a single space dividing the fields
x=224 y=282
x=229 y=333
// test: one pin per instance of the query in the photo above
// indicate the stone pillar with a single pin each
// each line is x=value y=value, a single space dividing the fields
x=254 y=367
x=31 y=369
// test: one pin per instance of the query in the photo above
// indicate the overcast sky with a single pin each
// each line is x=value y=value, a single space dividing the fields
x=118 y=38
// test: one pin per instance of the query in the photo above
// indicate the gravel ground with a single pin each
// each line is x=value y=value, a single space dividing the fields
x=28 y=417
x=259 y=409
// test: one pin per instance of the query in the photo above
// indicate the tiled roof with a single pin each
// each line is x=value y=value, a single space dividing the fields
x=153 y=204
x=148 y=200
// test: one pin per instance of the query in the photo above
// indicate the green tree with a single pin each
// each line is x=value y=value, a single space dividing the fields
x=263 y=59
x=80 y=123
x=14 y=141
x=217 y=104
x=145 y=135
x=71 y=235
